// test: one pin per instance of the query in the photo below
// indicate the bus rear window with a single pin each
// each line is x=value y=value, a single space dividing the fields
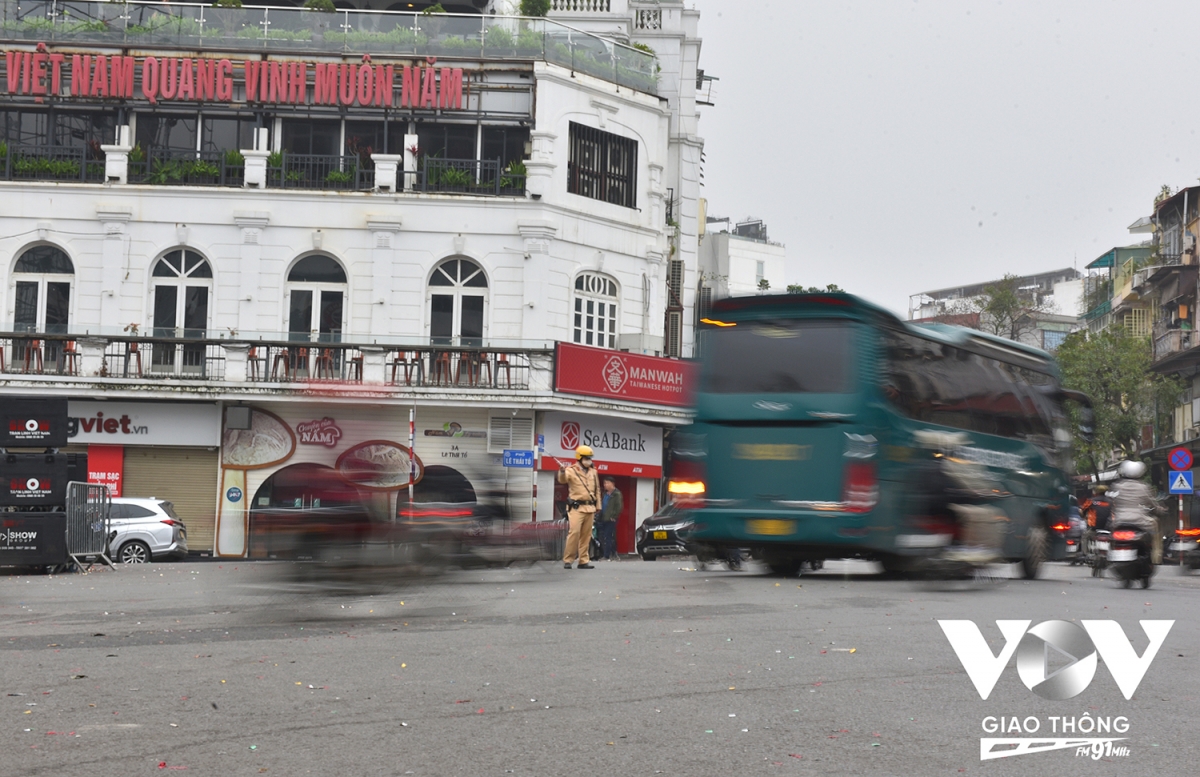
x=780 y=357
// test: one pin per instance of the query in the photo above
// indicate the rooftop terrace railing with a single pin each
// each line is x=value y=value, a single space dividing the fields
x=196 y=27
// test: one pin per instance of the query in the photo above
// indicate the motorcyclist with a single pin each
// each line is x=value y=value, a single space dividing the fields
x=1133 y=503
x=1096 y=512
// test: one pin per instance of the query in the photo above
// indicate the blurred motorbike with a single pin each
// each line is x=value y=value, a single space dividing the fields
x=1129 y=555
x=1098 y=556
x=1186 y=547
x=957 y=500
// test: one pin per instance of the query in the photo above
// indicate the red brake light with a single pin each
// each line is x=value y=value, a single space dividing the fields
x=1061 y=526
x=1124 y=535
x=688 y=481
x=171 y=522
x=435 y=513
x=861 y=492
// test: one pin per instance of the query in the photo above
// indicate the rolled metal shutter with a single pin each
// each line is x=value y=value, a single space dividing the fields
x=186 y=477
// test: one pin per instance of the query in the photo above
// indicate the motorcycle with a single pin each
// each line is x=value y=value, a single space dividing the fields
x=1098 y=555
x=958 y=502
x=1186 y=547
x=1129 y=555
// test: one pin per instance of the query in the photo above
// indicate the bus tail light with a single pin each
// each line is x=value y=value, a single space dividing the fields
x=861 y=493
x=688 y=482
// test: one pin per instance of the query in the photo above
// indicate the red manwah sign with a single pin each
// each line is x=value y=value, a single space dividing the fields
x=599 y=372
x=106 y=466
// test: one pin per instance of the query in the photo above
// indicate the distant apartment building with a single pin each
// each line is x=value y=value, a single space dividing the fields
x=1054 y=300
x=738 y=259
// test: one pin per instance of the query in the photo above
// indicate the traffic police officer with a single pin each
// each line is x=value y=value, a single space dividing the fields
x=583 y=496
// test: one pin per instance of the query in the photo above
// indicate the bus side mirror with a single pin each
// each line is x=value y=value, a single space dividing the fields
x=1087 y=415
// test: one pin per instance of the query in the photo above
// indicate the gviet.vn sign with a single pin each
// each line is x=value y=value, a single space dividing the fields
x=621 y=447
x=598 y=372
x=144 y=423
x=287 y=82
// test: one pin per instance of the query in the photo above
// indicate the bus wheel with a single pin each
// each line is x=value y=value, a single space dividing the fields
x=787 y=567
x=1035 y=553
x=895 y=566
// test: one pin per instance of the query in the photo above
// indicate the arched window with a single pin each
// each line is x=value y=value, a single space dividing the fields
x=596 y=300
x=316 y=299
x=43 y=277
x=182 y=285
x=457 y=297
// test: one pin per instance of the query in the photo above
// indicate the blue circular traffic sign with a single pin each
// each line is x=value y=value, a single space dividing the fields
x=1180 y=458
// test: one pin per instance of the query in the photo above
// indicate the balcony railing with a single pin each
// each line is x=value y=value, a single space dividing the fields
x=195 y=27
x=50 y=163
x=166 y=167
x=1173 y=341
x=280 y=361
x=286 y=170
x=468 y=176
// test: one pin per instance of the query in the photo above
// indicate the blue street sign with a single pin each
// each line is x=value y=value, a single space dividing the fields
x=1180 y=458
x=1181 y=482
x=521 y=459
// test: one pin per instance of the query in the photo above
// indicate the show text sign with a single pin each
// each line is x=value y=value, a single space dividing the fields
x=206 y=80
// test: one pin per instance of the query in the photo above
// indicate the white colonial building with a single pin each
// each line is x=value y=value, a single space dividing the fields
x=333 y=220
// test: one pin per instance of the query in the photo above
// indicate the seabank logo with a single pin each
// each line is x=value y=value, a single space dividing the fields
x=1050 y=642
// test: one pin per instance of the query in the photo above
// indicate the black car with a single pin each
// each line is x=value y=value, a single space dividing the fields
x=659 y=535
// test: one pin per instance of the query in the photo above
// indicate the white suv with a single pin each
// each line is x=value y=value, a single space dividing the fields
x=145 y=530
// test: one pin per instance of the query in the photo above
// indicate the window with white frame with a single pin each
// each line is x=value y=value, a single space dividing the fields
x=596 y=301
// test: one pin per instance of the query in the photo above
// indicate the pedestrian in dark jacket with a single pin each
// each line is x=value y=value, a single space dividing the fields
x=611 y=505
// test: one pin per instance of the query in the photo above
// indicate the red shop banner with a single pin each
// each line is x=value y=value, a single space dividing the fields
x=599 y=372
x=106 y=466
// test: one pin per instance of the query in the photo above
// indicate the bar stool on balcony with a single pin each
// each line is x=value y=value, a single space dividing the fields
x=133 y=353
x=411 y=362
x=502 y=363
x=325 y=367
x=253 y=360
x=282 y=357
x=439 y=367
x=70 y=355
x=468 y=361
x=33 y=356
x=356 y=368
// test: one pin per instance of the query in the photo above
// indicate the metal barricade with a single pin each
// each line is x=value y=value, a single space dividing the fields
x=88 y=506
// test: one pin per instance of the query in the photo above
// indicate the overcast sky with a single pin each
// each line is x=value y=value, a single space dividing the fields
x=898 y=146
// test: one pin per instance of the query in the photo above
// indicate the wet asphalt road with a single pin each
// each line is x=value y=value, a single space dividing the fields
x=630 y=669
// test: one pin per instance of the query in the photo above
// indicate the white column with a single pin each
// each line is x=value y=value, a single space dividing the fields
x=385 y=171
x=116 y=157
x=113 y=218
x=411 y=149
x=235 y=361
x=383 y=238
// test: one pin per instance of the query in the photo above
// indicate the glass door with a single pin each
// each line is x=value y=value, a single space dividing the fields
x=171 y=309
x=42 y=306
x=315 y=315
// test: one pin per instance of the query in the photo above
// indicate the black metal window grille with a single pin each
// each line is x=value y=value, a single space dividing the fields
x=602 y=166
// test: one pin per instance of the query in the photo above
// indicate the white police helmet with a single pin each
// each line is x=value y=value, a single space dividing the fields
x=1131 y=470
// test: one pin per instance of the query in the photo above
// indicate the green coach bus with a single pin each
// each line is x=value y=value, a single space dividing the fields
x=819 y=417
